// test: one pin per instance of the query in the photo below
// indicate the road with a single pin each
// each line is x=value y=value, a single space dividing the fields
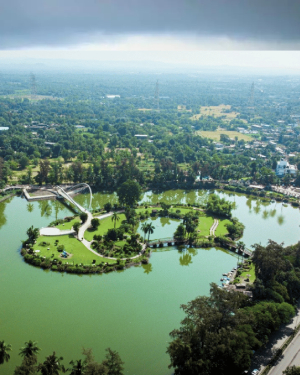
x=263 y=356
x=290 y=357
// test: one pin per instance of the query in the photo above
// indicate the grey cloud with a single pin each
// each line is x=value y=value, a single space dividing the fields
x=26 y=23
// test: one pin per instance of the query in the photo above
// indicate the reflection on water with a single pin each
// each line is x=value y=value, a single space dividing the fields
x=29 y=207
x=185 y=259
x=280 y=219
x=45 y=208
x=273 y=212
x=265 y=214
x=147 y=268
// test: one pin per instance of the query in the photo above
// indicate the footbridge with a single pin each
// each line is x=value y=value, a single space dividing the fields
x=65 y=193
x=169 y=241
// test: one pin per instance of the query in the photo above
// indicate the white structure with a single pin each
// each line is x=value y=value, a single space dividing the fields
x=284 y=167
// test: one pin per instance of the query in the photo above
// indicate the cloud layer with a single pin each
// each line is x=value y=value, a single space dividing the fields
x=34 y=23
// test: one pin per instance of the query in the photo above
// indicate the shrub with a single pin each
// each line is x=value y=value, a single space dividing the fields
x=54 y=267
x=60 y=248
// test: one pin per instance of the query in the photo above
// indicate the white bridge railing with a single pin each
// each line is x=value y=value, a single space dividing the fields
x=63 y=193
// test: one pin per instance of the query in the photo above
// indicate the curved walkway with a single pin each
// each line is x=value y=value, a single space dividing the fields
x=87 y=244
x=214 y=227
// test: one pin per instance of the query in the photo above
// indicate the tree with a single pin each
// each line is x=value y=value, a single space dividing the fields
x=214 y=338
x=113 y=363
x=180 y=232
x=4 y=352
x=78 y=367
x=93 y=367
x=129 y=193
x=51 y=366
x=95 y=222
x=32 y=234
x=27 y=367
x=42 y=176
x=30 y=349
x=76 y=226
x=83 y=217
x=150 y=230
x=292 y=370
x=108 y=207
x=115 y=217
x=144 y=228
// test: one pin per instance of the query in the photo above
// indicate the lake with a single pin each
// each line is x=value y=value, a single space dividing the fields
x=131 y=311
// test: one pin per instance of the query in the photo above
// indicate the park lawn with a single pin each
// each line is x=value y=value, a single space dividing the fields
x=80 y=253
x=216 y=135
x=250 y=272
x=221 y=229
x=205 y=223
x=68 y=225
x=105 y=224
x=221 y=110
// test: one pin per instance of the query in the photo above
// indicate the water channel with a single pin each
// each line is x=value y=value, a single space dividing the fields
x=131 y=311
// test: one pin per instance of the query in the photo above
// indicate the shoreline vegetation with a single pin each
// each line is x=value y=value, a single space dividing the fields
x=112 y=244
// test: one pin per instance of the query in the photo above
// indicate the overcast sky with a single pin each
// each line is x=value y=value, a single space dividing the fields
x=31 y=27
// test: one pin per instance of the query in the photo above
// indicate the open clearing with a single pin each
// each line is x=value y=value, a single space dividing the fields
x=80 y=254
x=216 y=135
x=221 y=110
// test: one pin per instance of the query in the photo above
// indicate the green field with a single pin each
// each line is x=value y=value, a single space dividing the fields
x=69 y=225
x=105 y=224
x=216 y=135
x=80 y=254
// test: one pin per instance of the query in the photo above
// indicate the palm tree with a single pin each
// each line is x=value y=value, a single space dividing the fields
x=51 y=366
x=4 y=349
x=144 y=228
x=78 y=368
x=32 y=234
x=150 y=230
x=29 y=349
x=115 y=217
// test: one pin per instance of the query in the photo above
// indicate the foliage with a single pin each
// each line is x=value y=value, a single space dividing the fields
x=292 y=370
x=129 y=193
x=180 y=232
x=95 y=222
x=219 y=206
x=235 y=228
x=108 y=207
x=76 y=226
x=4 y=352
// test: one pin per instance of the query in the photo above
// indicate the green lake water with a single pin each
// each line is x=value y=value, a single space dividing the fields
x=131 y=311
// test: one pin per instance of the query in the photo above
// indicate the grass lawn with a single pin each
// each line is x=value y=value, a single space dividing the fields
x=205 y=223
x=80 y=253
x=105 y=224
x=222 y=230
x=69 y=225
x=216 y=135
x=221 y=110
x=250 y=272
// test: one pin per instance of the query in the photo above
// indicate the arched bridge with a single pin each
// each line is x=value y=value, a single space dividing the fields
x=65 y=193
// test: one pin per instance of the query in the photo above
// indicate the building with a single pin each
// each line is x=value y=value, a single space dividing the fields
x=284 y=167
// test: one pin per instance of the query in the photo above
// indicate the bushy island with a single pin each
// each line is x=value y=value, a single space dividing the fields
x=220 y=333
x=113 y=243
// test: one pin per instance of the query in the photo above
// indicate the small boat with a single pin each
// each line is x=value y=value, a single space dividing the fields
x=224 y=274
x=222 y=279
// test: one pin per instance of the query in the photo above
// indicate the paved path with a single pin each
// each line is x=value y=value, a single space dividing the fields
x=87 y=244
x=51 y=231
x=290 y=356
x=214 y=227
